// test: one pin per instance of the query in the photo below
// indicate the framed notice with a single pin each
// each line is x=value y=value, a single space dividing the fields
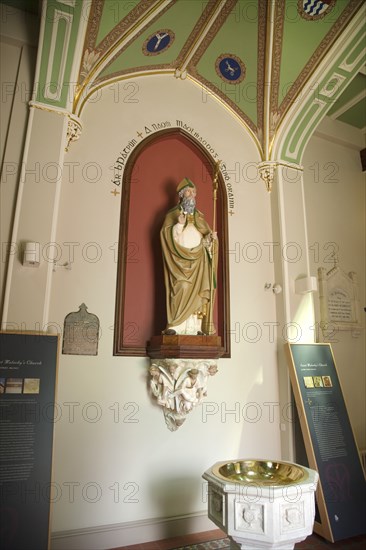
x=339 y=303
x=329 y=441
x=28 y=375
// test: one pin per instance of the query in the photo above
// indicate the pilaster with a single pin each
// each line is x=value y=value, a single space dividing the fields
x=51 y=128
x=27 y=288
x=294 y=305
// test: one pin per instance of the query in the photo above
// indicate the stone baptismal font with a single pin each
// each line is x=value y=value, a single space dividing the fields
x=262 y=503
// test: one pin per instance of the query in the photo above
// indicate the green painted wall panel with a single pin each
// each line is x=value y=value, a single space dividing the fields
x=301 y=129
x=300 y=40
x=52 y=26
x=56 y=65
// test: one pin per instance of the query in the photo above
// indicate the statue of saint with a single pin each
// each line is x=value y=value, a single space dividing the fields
x=190 y=264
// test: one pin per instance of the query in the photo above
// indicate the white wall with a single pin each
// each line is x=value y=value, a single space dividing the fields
x=18 y=41
x=164 y=468
x=335 y=201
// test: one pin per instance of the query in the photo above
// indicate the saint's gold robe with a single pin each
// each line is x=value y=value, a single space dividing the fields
x=187 y=273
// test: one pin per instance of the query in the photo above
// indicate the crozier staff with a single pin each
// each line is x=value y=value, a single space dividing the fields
x=189 y=266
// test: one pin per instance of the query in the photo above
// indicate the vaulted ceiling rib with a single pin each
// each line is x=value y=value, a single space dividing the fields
x=255 y=56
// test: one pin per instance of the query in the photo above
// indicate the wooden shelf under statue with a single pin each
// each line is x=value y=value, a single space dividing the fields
x=185 y=346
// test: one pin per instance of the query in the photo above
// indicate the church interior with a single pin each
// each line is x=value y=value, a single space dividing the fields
x=107 y=106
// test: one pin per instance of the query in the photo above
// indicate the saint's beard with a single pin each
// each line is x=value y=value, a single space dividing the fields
x=188 y=204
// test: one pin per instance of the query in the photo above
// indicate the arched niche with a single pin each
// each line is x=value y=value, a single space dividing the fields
x=150 y=179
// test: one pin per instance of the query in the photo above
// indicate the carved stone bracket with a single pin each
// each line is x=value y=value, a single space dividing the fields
x=179 y=385
x=73 y=130
x=266 y=172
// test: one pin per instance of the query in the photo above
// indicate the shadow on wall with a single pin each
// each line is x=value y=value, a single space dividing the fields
x=172 y=497
x=159 y=303
x=260 y=417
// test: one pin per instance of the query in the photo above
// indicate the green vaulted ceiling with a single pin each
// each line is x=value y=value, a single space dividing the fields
x=255 y=56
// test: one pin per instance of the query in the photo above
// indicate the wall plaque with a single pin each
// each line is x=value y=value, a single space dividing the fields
x=81 y=333
x=339 y=303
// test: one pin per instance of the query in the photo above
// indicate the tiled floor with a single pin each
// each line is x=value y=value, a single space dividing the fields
x=176 y=542
x=314 y=542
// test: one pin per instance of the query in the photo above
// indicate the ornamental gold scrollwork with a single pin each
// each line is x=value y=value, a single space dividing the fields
x=266 y=172
x=74 y=128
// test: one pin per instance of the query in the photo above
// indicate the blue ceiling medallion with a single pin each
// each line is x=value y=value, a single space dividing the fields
x=158 y=42
x=230 y=68
x=314 y=9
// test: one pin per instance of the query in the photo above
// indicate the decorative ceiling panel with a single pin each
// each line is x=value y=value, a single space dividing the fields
x=113 y=13
x=302 y=36
x=255 y=56
x=301 y=41
x=230 y=60
x=161 y=43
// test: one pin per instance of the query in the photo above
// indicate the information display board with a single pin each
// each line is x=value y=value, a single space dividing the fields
x=329 y=441
x=28 y=375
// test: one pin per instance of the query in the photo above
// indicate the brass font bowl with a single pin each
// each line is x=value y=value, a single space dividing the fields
x=261 y=472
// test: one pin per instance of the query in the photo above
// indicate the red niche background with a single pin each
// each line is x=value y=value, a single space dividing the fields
x=149 y=191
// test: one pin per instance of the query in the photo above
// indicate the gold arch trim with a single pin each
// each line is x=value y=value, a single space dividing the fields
x=112 y=50
x=196 y=81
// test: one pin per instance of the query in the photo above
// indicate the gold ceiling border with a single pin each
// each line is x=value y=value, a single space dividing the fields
x=97 y=66
x=159 y=68
x=112 y=37
x=189 y=44
x=194 y=36
x=147 y=69
x=262 y=49
x=217 y=24
x=127 y=44
x=121 y=28
x=119 y=78
x=256 y=130
x=211 y=89
x=232 y=112
x=279 y=18
x=265 y=58
x=170 y=71
x=215 y=27
x=49 y=108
